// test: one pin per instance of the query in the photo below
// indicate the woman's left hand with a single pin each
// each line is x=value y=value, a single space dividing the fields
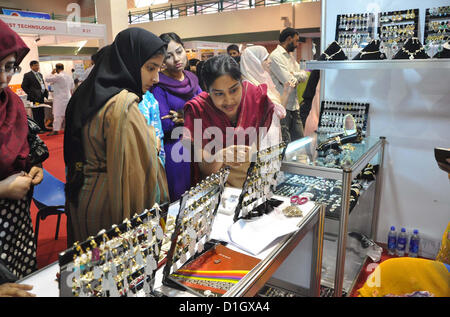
x=36 y=174
x=175 y=116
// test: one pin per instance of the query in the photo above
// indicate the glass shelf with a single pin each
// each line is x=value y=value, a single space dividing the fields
x=301 y=155
x=383 y=64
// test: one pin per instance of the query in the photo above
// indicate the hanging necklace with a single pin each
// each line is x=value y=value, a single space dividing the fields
x=365 y=53
x=411 y=54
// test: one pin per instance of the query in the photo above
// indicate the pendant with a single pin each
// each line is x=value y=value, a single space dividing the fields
x=411 y=57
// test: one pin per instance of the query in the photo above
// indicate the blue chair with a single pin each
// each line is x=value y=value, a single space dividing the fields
x=50 y=199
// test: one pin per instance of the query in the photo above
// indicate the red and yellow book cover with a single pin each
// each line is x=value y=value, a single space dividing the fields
x=217 y=270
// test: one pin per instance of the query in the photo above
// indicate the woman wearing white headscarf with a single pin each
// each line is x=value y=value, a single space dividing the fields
x=255 y=65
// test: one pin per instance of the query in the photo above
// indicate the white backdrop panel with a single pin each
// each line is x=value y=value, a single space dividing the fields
x=411 y=108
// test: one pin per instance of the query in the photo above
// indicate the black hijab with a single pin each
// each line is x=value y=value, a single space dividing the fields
x=117 y=67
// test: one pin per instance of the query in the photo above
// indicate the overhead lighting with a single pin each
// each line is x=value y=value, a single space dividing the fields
x=83 y=43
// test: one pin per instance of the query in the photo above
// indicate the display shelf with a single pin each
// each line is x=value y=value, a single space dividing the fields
x=302 y=158
x=383 y=64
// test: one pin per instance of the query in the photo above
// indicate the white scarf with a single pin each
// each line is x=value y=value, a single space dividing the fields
x=252 y=70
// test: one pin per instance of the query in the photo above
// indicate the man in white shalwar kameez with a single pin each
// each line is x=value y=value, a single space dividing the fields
x=63 y=86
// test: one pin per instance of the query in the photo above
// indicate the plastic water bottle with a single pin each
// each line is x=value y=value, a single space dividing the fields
x=402 y=240
x=414 y=244
x=392 y=241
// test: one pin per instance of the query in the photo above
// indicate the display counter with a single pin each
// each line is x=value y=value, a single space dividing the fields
x=278 y=259
x=340 y=182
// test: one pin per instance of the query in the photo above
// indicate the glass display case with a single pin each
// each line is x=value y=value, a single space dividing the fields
x=347 y=181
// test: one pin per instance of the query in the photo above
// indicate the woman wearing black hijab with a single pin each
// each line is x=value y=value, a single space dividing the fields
x=111 y=154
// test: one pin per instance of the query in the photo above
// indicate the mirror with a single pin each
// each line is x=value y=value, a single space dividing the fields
x=349 y=124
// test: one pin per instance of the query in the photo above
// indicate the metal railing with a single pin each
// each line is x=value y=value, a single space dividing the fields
x=199 y=7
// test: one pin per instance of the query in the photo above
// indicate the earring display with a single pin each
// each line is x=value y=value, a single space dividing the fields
x=437 y=30
x=193 y=225
x=332 y=116
x=354 y=30
x=120 y=262
x=396 y=27
x=262 y=178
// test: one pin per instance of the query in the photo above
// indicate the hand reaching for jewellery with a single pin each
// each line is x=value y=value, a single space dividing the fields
x=175 y=116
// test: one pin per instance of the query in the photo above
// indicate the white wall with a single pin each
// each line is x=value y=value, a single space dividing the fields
x=411 y=108
x=114 y=14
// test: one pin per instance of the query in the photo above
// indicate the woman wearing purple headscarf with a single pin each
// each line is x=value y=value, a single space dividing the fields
x=176 y=86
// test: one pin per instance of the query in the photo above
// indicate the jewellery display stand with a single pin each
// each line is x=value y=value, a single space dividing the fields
x=437 y=31
x=121 y=261
x=332 y=114
x=193 y=225
x=371 y=52
x=396 y=27
x=354 y=30
x=333 y=52
x=412 y=49
x=445 y=53
x=255 y=198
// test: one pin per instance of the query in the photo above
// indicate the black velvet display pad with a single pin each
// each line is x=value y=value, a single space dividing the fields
x=333 y=52
x=371 y=52
x=445 y=53
x=412 y=49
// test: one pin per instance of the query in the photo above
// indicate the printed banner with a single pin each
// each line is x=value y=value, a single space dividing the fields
x=26 y=14
x=23 y=25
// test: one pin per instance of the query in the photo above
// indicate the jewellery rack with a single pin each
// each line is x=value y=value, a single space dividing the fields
x=260 y=183
x=193 y=225
x=395 y=27
x=118 y=262
x=332 y=115
x=326 y=191
x=437 y=27
x=352 y=30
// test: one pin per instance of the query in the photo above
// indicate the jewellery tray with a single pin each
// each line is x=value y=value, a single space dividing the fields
x=342 y=108
x=67 y=257
x=326 y=191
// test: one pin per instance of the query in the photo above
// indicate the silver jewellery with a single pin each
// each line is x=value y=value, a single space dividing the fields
x=193 y=225
x=354 y=30
x=262 y=179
